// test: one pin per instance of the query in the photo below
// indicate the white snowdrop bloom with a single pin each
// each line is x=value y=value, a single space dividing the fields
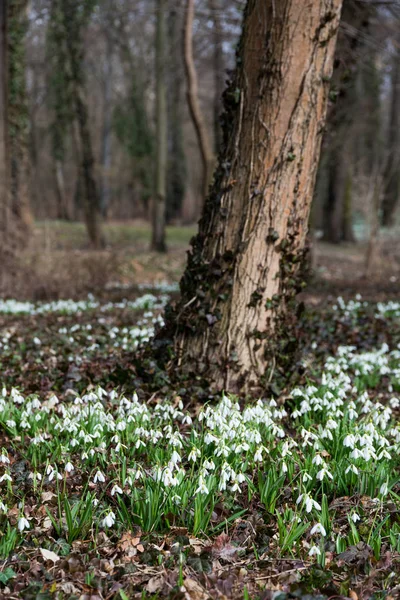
x=5 y=477
x=116 y=490
x=382 y=490
x=4 y=458
x=37 y=341
x=209 y=465
x=317 y=460
x=356 y=453
x=322 y=473
x=3 y=507
x=353 y=469
x=258 y=454
x=355 y=517
x=108 y=520
x=314 y=551
x=235 y=487
x=187 y=419
x=285 y=468
x=306 y=477
x=394 y=402
x=194 y=454
x=318 y=528
x=99 y=477
x=69 y=467
x=349 y=441
x=175 y=458
x=11 y=423
x=202 y=489
x=23 y=523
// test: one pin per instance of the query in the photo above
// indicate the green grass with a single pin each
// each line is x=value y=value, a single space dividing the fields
x=62 y=234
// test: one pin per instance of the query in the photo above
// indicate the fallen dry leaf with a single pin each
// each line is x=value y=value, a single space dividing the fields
x=49 y=555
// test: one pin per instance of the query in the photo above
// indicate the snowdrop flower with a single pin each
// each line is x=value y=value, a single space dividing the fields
x=202 y=489
x=23 y=523
x=318 y=528
x=99 y=477
x=258 y=454
x=314 y=551
x=116 y=490
x=194 y=454
x=69 y=467
x=309 y=502
x=355 y=517
x=382 y=490
x=317 y=460
x=321 y=474
x=108 y=520
x=352 y=468
x=5 y=477
x=4 y=458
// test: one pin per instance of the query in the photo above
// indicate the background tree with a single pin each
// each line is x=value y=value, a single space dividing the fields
x=17 y=114
x=4 y=165
x=159 y=201
x=392 y=172
x=233 y=321
x=72 y=18
x=193 y=100
x=176 y=172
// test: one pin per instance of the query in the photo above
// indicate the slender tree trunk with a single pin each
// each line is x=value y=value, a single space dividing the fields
x=4 y=156
x=63 y=212
x=159 y=201
x=235 y=319
x=218 y=60
x=105 y=192
x=176 y=177
x=391 y=176
x=193 y=99
x=18 y=116
x=87 y=178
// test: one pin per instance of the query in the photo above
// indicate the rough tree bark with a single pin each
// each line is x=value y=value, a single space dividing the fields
x=391 y=176
x=159 y=201
x=18 y=118
x=4 y=170
x=106 y=156
x=75 y=56
x=218 y=60
x=234 y=321
x=193 y=98
x=176 y=178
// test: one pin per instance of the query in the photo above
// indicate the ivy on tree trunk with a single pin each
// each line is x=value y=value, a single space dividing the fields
x=235 y=321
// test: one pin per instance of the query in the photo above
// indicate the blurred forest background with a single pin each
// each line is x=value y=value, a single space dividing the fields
x=112 y=113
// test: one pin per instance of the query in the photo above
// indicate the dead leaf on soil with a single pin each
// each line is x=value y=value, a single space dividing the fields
x=49 y=555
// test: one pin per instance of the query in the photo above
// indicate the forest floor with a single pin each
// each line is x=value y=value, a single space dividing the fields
x=110 y=488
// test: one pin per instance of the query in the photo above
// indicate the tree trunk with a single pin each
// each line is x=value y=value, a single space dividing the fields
x=18 y=117
x=219 y=83
x=4 y=157
x=105 y=191
x=63 y=211
x=73 y=40
x=158 y=243
x=193 y=100
x=176 y=178
x=391 y=176
x=235 y=319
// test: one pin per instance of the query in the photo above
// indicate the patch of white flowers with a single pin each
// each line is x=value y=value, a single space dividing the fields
x=147 y=301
